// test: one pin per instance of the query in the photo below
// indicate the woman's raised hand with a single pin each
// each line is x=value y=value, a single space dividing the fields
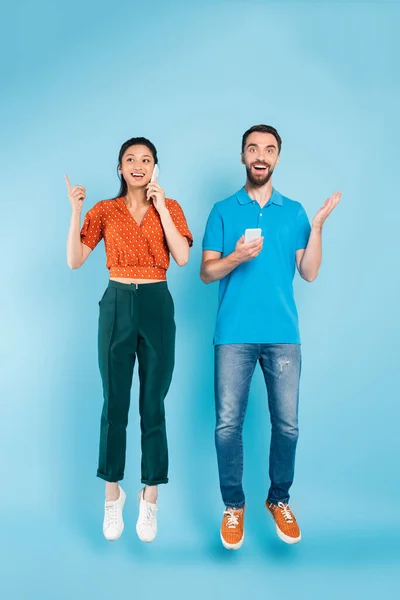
x=76 y=195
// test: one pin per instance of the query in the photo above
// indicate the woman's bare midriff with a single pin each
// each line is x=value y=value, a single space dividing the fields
x=135 y=281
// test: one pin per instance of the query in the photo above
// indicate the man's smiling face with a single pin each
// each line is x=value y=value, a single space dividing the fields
x=260 y=156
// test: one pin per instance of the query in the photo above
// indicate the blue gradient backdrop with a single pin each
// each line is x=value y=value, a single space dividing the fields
x=78 y=78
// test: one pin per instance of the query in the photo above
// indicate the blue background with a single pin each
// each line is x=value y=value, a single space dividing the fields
x=78 y=79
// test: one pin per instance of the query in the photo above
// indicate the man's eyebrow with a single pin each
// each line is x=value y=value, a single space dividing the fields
x=256 y=145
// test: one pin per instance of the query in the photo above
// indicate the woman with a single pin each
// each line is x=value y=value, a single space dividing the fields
x=140 y=229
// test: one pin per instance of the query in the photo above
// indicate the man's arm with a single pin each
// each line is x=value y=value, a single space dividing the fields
x=213 y=267
x=309 y=259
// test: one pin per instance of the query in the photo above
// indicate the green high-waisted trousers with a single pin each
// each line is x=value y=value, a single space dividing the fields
x=135 y=320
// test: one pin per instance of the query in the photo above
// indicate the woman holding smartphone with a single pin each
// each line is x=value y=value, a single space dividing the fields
x=141 y=228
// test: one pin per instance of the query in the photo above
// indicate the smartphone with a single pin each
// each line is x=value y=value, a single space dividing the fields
x=155 y=175
x=250 y=235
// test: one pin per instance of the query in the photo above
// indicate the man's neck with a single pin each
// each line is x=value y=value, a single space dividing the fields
x=261 y=194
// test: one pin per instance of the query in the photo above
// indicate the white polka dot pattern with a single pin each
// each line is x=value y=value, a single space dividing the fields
x=137 y=251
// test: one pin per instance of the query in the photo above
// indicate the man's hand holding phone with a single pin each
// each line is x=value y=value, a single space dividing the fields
x=245 y=251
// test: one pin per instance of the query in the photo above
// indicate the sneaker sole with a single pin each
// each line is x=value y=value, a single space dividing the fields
x=282 y=536
x=116 y=538
x=146 y=541
x=231 y=546
x=286 y=538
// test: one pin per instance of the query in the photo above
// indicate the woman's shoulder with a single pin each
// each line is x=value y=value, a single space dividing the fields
x=171 y=203
x=104 y=206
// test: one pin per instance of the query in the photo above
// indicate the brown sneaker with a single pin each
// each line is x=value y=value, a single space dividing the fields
x=232 y=528
x=286 y=524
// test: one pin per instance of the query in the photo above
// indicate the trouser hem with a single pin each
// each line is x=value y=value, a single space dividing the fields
x=157 y=482
x=236 y=505
x=110 y=478
x=276 y=502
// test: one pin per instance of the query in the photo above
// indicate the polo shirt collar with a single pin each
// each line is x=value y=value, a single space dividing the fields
x=243 y=197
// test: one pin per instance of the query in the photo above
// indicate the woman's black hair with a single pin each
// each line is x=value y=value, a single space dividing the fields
x=136 y=141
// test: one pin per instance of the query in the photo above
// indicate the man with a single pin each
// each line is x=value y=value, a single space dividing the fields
x=257 y=322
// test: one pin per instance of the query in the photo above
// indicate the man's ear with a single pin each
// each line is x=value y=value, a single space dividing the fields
x=242 y=158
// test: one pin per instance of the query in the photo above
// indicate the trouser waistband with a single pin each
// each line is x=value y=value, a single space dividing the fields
x=142 y=287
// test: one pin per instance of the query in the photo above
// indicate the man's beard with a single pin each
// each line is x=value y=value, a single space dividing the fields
x=258 y=182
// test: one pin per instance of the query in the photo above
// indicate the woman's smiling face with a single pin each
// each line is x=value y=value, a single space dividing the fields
x=137 y=166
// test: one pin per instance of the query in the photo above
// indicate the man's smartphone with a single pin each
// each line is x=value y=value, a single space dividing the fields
x=250 y=235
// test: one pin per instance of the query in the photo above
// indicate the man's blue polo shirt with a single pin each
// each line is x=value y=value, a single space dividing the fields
x=256 y=301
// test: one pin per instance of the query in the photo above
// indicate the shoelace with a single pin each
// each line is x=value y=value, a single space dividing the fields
x=232 y=520
x=112 y=513
x=285 y=510
x=149 y=512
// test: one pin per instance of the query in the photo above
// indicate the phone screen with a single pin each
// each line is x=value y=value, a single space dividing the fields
x=250 y=235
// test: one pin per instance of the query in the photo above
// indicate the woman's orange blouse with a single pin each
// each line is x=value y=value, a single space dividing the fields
x=135 y=251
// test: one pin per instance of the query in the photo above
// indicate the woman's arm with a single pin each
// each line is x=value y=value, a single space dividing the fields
x=77 y=252
x=177 y=243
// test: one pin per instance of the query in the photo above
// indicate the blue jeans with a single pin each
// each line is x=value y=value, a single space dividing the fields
x=234 y=368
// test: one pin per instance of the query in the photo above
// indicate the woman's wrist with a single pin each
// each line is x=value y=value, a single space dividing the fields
x=76 y=213
x=163 y=211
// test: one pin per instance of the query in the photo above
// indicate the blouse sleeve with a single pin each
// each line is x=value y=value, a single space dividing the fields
x=179 y=220
x=91 y=232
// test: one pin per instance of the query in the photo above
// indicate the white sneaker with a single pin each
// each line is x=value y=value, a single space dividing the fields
x=113 y=524
x=146 y=526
